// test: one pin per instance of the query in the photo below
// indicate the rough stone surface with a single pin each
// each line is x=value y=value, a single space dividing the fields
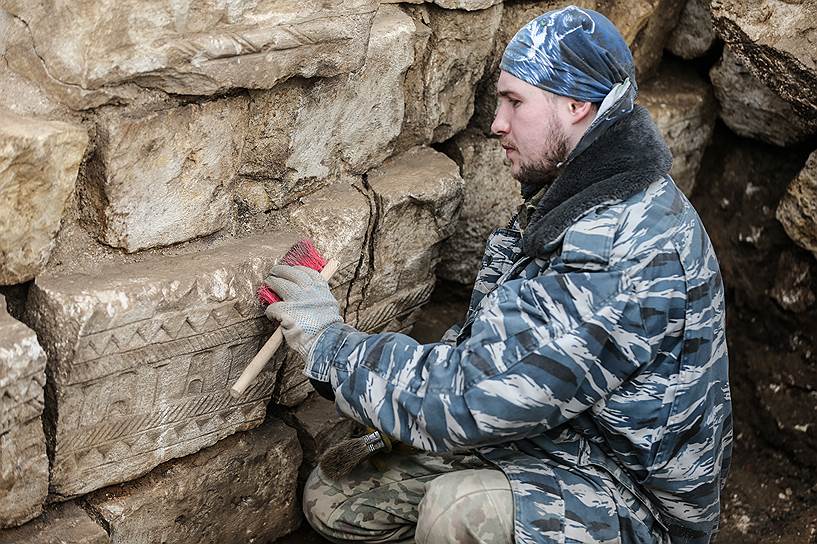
x=450 y=58
x=491 y=198
x=163 y=177
x=792 y=289
x=23 y=461
x=202 y=48
x=61 y=523
x=319 y=427
x=416 y=199
x=653 y=22
x=751 y=109
x=39 y=161
x=694 y=35
x=684 y=108
x=240 y=490
x=797 y=210
x=775 y=41
x=140 y=358
x=468 y=5
x=303 y=133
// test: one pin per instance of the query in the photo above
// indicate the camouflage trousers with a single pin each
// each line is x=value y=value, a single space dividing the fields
x=413 y=497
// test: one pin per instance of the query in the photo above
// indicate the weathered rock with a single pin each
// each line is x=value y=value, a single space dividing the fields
x=775 y=41
x=417 y=197
x=450 y=58
x=292 y=387
x=684 y=109
x=23 y=461
x=491 y=197
x=164 y=177
x=797 y=210
x=61 y=523
x=646 y=29
x=303 y=133
x=693 y=35
x=39 y=161
x=792 y=289
x=141 y=356
x=319 y=427
x=751 y=109
x=240 y=490
x=201 y=49
x=468 y=5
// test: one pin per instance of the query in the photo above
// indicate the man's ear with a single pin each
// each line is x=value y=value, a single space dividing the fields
x=579 y=111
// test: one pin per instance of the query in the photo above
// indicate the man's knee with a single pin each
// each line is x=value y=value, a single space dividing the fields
x=467 y=506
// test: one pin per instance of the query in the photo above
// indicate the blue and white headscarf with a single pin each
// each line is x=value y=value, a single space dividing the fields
x=577 y=53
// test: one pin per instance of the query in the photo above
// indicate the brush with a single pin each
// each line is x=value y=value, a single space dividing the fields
x=339 y=460
x=301 y=254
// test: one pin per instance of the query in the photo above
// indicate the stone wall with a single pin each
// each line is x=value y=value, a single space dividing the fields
x=157 y=158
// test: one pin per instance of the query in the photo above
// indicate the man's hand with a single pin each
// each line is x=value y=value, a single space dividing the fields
x=308 y=306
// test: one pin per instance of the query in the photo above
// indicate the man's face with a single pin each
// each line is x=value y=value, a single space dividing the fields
x=530 y=130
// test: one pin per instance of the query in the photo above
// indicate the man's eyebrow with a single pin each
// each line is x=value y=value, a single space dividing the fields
x=507 y=94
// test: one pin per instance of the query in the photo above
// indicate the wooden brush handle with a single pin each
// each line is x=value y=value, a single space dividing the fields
x=271 y=346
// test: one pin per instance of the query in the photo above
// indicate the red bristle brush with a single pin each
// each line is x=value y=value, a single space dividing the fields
x=302 y=254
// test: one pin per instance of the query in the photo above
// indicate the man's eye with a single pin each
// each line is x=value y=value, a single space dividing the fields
x=515 y=103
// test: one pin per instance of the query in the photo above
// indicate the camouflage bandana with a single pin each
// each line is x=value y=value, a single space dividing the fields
x=580 y=54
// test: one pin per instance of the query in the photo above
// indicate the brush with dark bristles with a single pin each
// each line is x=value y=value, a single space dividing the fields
x=343 y=457
x=302 y=254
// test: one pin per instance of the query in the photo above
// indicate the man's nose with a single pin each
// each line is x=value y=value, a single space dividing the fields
x=500 y=124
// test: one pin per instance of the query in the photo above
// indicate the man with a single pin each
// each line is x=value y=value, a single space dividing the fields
x=586 y=397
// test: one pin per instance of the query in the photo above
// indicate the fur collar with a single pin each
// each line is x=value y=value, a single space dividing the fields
x=623 y=161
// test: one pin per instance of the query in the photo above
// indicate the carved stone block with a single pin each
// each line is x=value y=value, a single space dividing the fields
x=200 y=48
x=141 y=357
x=751 y=109
x=61 y=523
x=242 y=489
x=303 y=133
x=684 y=108
x=491 y=198
x=40 y=160
x=23 y=460
x=163 y=177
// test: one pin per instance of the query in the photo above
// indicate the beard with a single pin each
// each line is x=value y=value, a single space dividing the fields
x=543 y=170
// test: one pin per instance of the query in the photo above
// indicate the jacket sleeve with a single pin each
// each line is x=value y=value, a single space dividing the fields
x=541 y=351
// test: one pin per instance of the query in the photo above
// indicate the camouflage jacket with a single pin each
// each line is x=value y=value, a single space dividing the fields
x=593 y=373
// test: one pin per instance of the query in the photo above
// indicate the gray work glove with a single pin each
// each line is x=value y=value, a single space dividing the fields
x=308 y=306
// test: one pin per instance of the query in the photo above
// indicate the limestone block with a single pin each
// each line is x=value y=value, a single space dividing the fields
x=797 y=210
x=468 y=5
x=775 y=41
x=23 y=461
x=39 y=161
x=451 y=53
x=751 y=109
x=319 y=427
x=163 y=177
x=302 y=133
x=61 y=523
x=243 y=489
x=491 y=198
x=141 y=357
x=694 y=35
x=292 y=387
x=646 y=26
x=684 y=108
x=197 y=48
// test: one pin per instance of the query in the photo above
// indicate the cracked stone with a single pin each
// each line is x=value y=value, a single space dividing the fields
x=23 y=460
x=201 y=49
x=158 y=178
x=491 y=198
x=303 y=133
x=242 y=489
x=141 y=357
x=684 y=108
x=775 y=41
x=694 y=35
x=39 y=161
x=751 y=109
x=59 y=524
